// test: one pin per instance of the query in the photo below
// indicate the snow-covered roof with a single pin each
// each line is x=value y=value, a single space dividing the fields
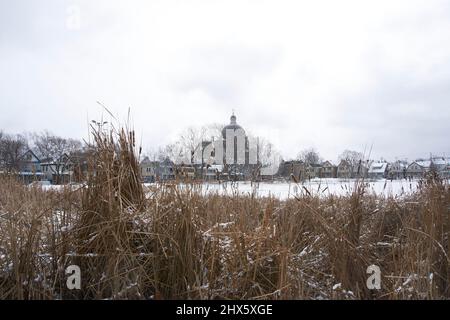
x=424 y=163
x=398 y=165
x=217 y=167
x=33 y=155
x=441 y=161
x=30 y=173
x=378 y=167
x=327 y=163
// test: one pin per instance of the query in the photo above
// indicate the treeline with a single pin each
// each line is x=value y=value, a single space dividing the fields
x=311 y=156
x=45 y=145
x=50 y=147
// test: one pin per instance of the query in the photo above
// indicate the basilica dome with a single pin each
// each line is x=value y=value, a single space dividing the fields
x=233 y=126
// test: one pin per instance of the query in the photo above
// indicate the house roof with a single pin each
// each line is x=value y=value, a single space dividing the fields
x=327 y=163
x=218 y=167
x=423 y=163
x=378 y=167
x=25 y=173
x=399 y=164
x=32 y=153
x=289 y=162
x=441 y=161
x=146 y=160
x=344 y=163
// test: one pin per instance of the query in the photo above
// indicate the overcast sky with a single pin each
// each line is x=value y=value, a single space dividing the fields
x=332 y=75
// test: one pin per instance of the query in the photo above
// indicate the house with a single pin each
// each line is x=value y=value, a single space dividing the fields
x=312 y=170
x=418 y=168
x=378 y=170
x=79 y=165
x=442 y=166
x=30 y=167
x=165 y=170
x=361 y=170
x=153 y=171
x=186 y=172
x=344 y=170
x=212 y=172
x=328 y=170
x=299 y=170
x=294 y=169
x=58 y=171
x=148 y=170
x=446 y=172
x=397 y=170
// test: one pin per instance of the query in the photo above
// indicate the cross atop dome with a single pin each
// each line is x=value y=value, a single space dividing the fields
x=233 y=125
x=233 y=118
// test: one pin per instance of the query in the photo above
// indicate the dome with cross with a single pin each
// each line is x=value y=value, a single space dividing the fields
x=233 y=126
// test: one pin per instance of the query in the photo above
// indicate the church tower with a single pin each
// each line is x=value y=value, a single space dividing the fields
x=233 y=127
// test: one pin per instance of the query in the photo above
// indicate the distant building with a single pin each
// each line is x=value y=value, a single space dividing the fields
x=30 y=167
x=148 y=170
x=185 y=172
x=57 y=171
x=312 y=170
x=239 y=168
x=344 y=170
x=442 y=166
x=329 y=170
x=292 y=169
x=418 y=168
x=361 y=170
x=378 y=170
x=79 y=165
x=165 y=170
x=212 y=172
x=446 y=173
x=397 y=170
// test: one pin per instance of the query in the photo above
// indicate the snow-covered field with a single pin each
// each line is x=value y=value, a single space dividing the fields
x=321 y=187
x=284 y=190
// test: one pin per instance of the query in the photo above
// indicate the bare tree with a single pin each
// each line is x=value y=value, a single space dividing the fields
x=213 y=131
x=154 y=154
x=309 y=156
x=191 y=138
x=50 y=146
x=12 y=147
x=354 y=158
x=175 y=152
x=194 y=139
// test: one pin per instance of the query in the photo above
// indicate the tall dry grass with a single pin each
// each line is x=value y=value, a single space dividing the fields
x=169 y=241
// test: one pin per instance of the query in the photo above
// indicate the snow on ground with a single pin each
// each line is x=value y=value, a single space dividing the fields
x=56 y=187
x=321 y=187
x=285 y=190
